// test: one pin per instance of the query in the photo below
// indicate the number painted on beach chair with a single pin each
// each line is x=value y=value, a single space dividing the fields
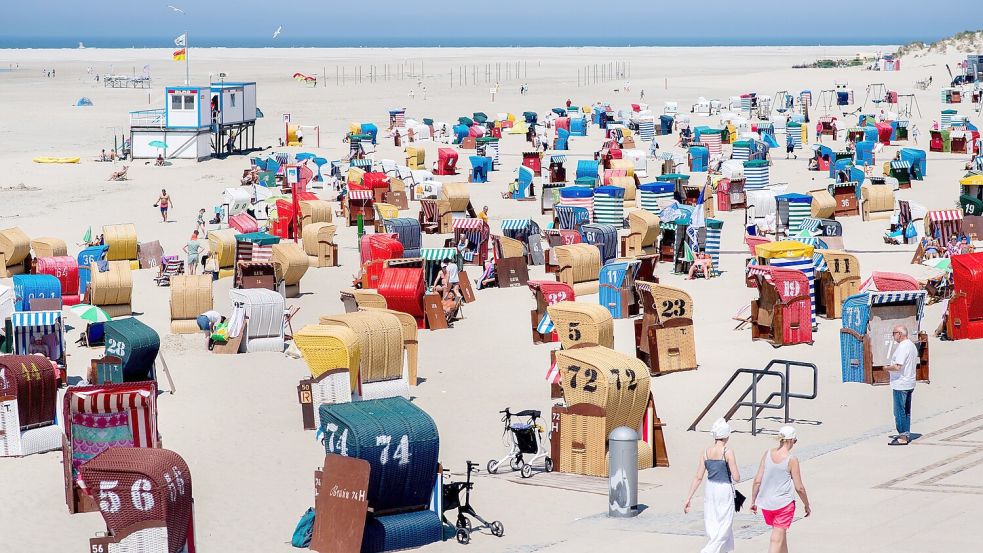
x=573 y=332
x=116 y=348
x=590 y=375
x=791 y=288
x=555 y=297
x=673 y=308
x=402 y=452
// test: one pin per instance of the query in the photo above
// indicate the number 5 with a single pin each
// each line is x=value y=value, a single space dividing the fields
x=108 y=500
x=574 y=333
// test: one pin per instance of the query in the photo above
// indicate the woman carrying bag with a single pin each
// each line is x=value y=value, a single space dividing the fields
x=720 y=467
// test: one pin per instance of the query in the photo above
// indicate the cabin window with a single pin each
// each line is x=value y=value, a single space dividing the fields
x=232 y=99
x=182 y=102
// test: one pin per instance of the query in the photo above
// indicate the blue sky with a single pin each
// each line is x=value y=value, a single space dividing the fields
x=151 y=22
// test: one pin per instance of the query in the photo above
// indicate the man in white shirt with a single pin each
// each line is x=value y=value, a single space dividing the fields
x=904 y=359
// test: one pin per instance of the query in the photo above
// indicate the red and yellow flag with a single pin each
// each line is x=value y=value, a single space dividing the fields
x=180 y=55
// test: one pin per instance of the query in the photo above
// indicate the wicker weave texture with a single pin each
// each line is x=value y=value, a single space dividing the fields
x=331 y=387
x=628 y=183
x=401 y=531
x=315 y=211
x=327 y=347
x=15 y=245
x=112 y=287
x=222 y=245
x=403 y=288
x=584 y=449
x=387 y=211
x=457 y=195
x=645 y=224
x=878 y=201
x=150 y=485
x=49 y=247
x=122 y=241
x=582 y=323
x=511 y=248
x=823 y=204
x=31 y=379
x=290 y=262
x=397 y=438
x=380 y=343
x=577 y=263
x=606 y=378
x=191 y=295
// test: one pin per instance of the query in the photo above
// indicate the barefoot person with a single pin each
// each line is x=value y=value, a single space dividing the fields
x=164 y=203
x=778 y=476
x=720 y=467
x=904 y=359
x=193 y=249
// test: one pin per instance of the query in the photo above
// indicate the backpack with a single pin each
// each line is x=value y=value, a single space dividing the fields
x=304 y=531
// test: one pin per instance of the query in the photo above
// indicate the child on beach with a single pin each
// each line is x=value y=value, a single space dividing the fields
x=200 y=223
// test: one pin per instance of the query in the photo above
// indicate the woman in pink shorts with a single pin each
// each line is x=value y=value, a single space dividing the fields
x=778 y=476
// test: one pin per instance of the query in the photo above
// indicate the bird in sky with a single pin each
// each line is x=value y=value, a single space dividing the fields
x=175 y=9
x=276 y=33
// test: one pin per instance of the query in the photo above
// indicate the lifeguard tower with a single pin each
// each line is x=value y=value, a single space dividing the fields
x=196 y=122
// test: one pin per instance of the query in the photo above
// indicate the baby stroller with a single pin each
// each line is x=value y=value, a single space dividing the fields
x=451 y=493
x=527 y=439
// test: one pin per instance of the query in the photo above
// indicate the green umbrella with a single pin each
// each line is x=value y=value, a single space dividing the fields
x=158 y=144
x=940 y=263
x=87 y=237
x=90 y=313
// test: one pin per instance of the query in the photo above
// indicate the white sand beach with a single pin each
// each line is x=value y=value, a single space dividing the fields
x=236 y=420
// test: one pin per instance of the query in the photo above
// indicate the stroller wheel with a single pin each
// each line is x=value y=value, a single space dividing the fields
x=497 y=529
x=526 y=470
x=463 y=536
x=515 y=463
x=492 y=466
x=548 y=465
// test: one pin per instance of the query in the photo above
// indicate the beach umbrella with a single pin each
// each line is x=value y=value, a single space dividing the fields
x=940 y=263
x=90 y=313
x=160 y=144
x=465 y=121
x=87 y=237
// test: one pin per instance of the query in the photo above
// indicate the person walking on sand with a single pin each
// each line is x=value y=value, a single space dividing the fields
x=789 y=145
x=164 y=203
x=193 y=249
x=200 y=223
x=720 y=467
x=904 y=359
x=778 y=475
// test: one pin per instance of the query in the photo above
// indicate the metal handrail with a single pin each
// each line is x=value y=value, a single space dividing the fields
x=787 y=386
x=755 y=406
x=784 y=395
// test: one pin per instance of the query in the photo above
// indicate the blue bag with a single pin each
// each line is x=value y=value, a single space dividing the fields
x=304 y=531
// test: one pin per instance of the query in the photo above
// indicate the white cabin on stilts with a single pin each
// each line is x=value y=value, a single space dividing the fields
x=197 y=122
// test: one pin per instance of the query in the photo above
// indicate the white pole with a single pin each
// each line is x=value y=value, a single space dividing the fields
x=187 y=62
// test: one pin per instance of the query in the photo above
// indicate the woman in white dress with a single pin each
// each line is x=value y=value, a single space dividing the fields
x=719 y=465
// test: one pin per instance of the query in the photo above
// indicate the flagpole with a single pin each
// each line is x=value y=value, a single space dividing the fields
x=187 y=62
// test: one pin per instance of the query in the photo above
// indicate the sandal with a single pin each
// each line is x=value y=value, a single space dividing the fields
x=898 y=441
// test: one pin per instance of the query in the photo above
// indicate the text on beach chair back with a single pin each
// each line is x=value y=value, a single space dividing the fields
x=580 y=323
x=145 y=499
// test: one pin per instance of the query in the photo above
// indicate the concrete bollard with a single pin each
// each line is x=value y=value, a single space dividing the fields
x=623 y=472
